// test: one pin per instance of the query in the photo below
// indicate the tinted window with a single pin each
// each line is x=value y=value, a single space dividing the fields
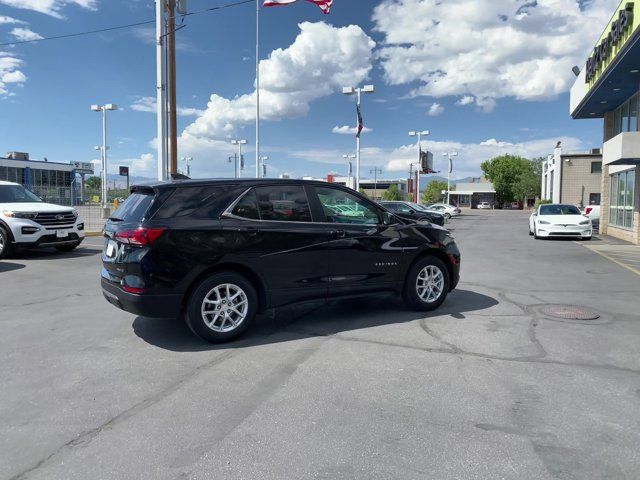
x=394 y=207
x=283 y=203
x=134 y=208
x=247 y=207
x=559 y=210
x=342 y=207
x=596 y=167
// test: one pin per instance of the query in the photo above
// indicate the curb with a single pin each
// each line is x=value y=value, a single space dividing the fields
x=92 y=234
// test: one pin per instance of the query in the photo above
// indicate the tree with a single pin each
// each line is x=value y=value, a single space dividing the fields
x=362 y=191
x=513 y=177
x=433 y=192
x=392 y=193
x=93 y=183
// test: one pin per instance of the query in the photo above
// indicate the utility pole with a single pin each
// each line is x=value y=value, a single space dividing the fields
x=173 y=144
x=412 y=182
x=161 y=90
x=375 y=172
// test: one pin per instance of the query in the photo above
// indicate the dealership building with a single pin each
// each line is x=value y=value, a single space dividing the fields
x=574 y=178
x=608 y=87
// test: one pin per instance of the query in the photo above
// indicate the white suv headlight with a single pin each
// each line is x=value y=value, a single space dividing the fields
x=27 y=215
x=586 y=222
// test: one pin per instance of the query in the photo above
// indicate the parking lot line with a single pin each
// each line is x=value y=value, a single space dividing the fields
x=612 y=256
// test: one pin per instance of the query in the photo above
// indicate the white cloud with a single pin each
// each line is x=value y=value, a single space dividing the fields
x=435 y=109
x=347 y=130
x=23 y=34
x=49 y=7
x=4 y=20
x=466 y=100
x=395 y=161
x=10 y=72
x=149 y=105
x=484 y=50
x=142 y=166
x=320 y=61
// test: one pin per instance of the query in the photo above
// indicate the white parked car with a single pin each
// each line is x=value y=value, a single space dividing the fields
x=484 y=206
x=558 y=220
x=27 y=222
x=447 y=210
x=593 y=212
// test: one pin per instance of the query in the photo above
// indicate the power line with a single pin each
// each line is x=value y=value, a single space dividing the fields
x=120 y=27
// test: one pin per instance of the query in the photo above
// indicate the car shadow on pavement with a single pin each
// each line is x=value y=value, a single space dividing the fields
x=314 y=319
x=9 y=266
x=52 y=254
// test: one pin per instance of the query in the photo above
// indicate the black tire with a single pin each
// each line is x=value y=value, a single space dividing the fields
x=6 y=247
x=411 y=295
x=195 y=319
x=68 y=248
x=586 y=239
x=530 y=232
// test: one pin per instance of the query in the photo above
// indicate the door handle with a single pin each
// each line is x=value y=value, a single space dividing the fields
x=339 y=233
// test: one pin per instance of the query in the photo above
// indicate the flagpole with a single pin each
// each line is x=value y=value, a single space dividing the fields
x=257 y=88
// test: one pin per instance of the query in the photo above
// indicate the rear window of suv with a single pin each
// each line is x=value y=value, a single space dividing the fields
x=134 y=208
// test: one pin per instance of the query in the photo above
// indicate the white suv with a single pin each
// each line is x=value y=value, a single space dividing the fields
x=27 y=222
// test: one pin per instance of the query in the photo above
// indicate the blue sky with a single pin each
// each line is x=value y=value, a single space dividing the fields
x=494 y=74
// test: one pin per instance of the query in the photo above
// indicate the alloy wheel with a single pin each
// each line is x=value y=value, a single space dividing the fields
x=224 y=308
x=430 y=284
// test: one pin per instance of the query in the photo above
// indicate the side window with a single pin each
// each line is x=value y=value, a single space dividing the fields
x=404 y=209
x=283 y=203
x=248 y=207
x=342 y=207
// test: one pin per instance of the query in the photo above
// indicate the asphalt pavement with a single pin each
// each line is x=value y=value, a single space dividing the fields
x=488 y=387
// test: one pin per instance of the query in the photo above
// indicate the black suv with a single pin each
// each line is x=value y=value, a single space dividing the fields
x=410 y=211
x=220 y=251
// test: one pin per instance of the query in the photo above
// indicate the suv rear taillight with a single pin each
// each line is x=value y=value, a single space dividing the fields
x=142 y=237
x=588 y=210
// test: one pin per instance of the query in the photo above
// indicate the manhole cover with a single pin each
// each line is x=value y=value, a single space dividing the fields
x=568 y=312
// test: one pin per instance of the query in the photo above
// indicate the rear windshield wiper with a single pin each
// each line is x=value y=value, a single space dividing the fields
x=116 y=219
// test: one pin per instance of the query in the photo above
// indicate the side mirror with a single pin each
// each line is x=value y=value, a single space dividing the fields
x=388 y=218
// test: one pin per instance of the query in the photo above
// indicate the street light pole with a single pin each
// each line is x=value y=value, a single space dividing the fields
x=348 y=158
x=419 y=134
x=358 y=91
x=188 y=161
x=262 y=167
x=449 y=170
x=103 y=153
x=375 y=172
x=239 y=143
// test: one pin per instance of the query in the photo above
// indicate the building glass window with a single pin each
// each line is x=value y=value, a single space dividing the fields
x=596 y=167
x=633 y=114
x=625 y=118
x=622 y=199
x=594 y=199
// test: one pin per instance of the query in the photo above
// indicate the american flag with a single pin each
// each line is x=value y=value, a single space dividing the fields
x=360 y=122
x=325 y=5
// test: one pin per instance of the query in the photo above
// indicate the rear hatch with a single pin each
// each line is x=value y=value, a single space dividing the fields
x=125 y=239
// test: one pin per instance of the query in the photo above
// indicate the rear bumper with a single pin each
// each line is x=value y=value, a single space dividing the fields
x=145 y=305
